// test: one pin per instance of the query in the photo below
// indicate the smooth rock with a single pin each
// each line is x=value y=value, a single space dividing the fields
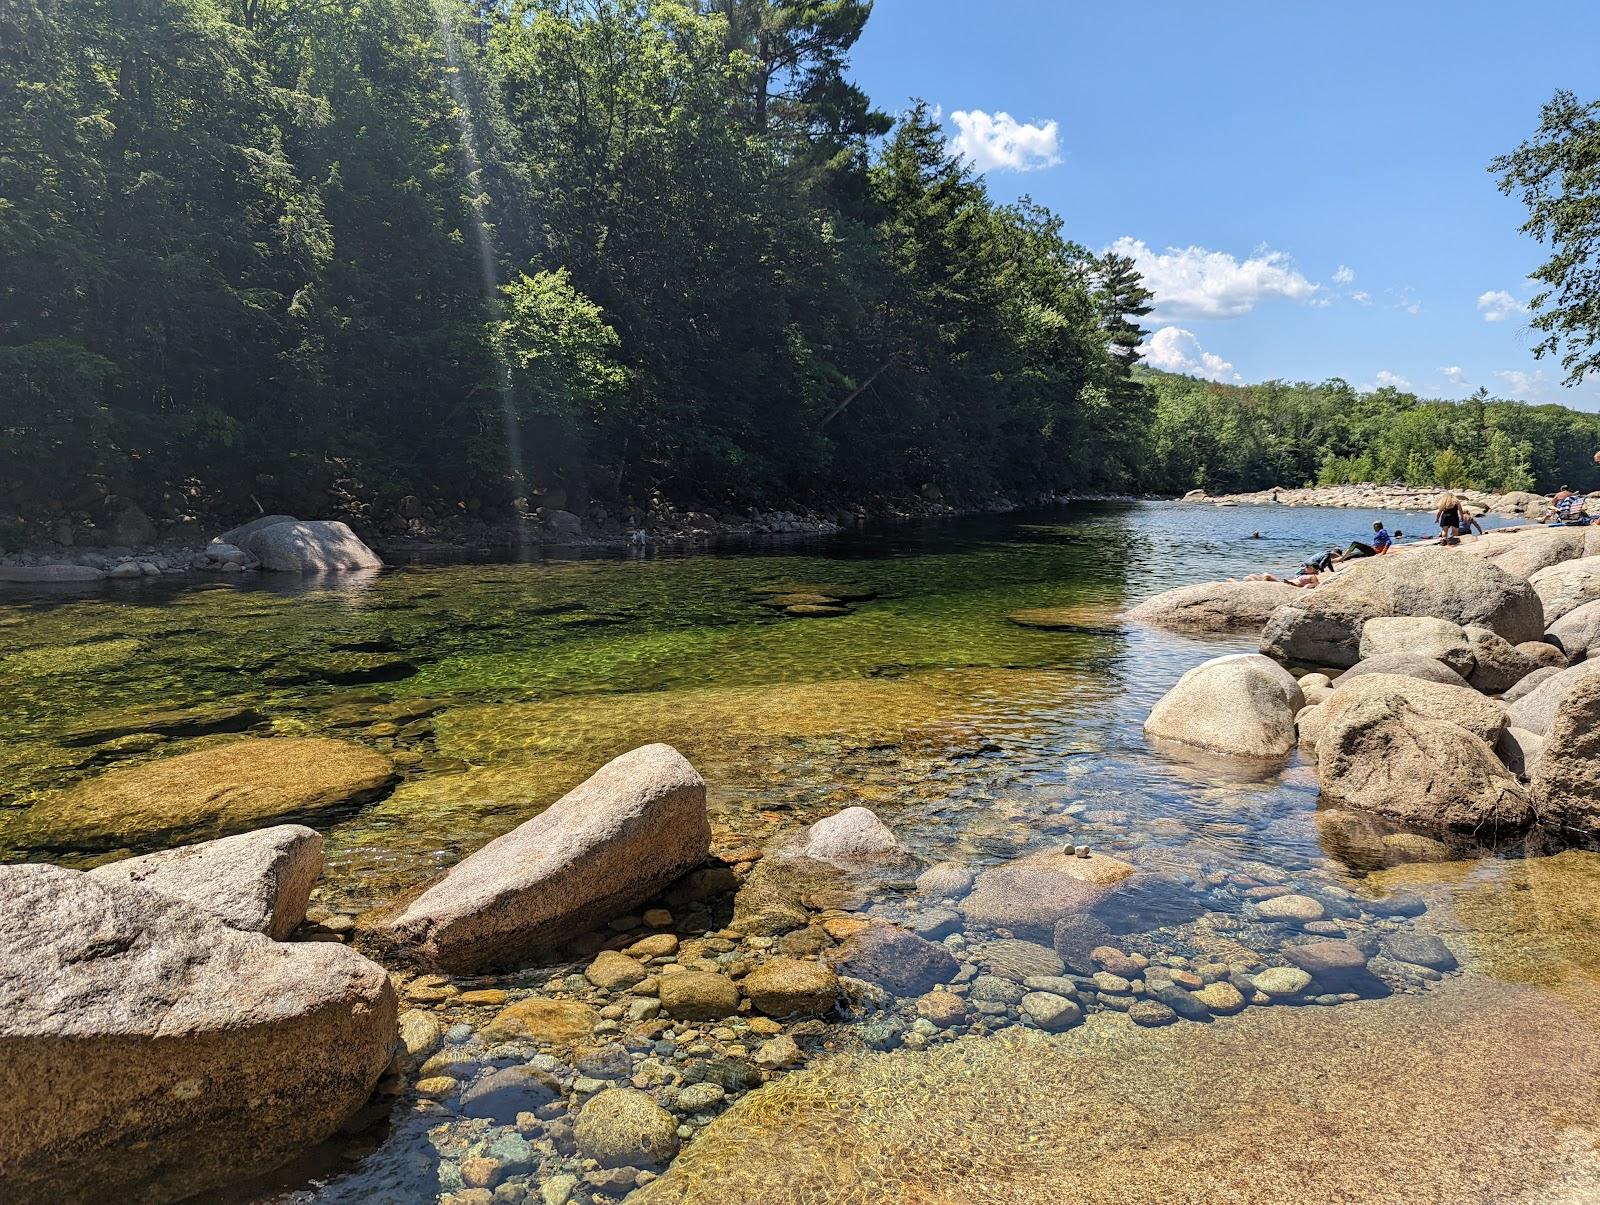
x=852 y=839
x=1418 y=635
x=943 y=1009
x=1536 y=710
x=1565 y=777
x=1282 y=982
x=1215 y=606
x=1050 y=1012
x=1420 y=949
x=1565 y=587
x=606 y=846
x=613 y=971
x=1402 y=665
x=1577 y=633
x=1242 y=705
x=1297 y=908
x=1221 y=997
x=1498 y=665
x=622 y=1127
x=177 y=1054
x=1031 y=894
x=1151 y=1013
x=790 y=987
x=1530 y=683
x=698 y=996
x=236 y=536
x=894 y=959
x=316 y=547
x=504 y=1093
x=1457 y=704
x=945 y=881
x=256 y=882
x=560 y=1024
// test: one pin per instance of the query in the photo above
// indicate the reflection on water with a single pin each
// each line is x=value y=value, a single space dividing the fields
x=978 y=739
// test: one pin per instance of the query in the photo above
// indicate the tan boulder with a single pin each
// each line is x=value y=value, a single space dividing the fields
x=1536 y=710
x=151 y=1052
x=1565 y=776
x=1215 y=606
x=1241 y=705
x=1482 y=716
x=225 y=789
x=559 y=1024
x=791 y=987
x=257 y=882
x=1419 y=635
x=1565 y=587
x=606 y=846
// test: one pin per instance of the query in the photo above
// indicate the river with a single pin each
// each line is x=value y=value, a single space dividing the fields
x=498 y=685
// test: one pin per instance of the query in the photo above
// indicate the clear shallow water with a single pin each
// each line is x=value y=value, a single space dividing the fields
x=976 y=739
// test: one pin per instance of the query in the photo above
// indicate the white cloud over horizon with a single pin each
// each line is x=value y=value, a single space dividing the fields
x=1392 y=380
x=1000 y=142
x=1195 y=282
x=1173 y=349
x=1344 y=275
x=1497 y=305
x=1454 y=374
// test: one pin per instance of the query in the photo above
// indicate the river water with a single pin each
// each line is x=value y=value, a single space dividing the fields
x=977 y=739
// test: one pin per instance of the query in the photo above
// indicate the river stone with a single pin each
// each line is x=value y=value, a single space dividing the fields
x=559 y=1024
x=1215 y=606
x=1458 y=704
x=1221 y=998
x=604 y=847
x=501 y=1095
x=1534 y=680
x=1420 y=949
x=894 y=959
x=945 y=881
x=176 y=1054
x=315 y=547
x=1577 y=633
x=1323 y=627
x=1030 y=894
x=1497 y=664
x=1402 y=665
x=1327 y=960
x=1519 y=749
x=852 y=839
x=238 y=535
x=256 y=882
x=1280 y=982
x=1241 y=705
x=791 y=987
x=1543 y=653
x=420 y=1036
x=1178 y=999
x=225 y=789
x=1565 y=778
x=1301 y=909
x=1017 y=959
x=1536 y=710
x=698 y=995
x=1383 y=755
x=1150 y=1013
x=1565 y=587
x=622 y=1127
x=1050 y=1012
x=163 y=721
x=1419 y=635
x=614 y=970
x=942 y=1008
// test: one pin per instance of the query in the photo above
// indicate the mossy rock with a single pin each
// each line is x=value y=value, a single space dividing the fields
x=229 y=788
x=827 y=590
x=1092 y=619
x=162 y=721
x=801 y=600
x=815 y=611
x=347 y=669
x=56 y=659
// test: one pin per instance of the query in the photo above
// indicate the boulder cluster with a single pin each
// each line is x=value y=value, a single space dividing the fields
x=1443 y=690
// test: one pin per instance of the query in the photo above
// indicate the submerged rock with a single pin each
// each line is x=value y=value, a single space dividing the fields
x=791 y=987
x=622 y=1127
x=1215 y=606
x=176 y=1054
x=1031 y=894
x=1241 y=705
x=225 y=789
x=852 y=839
x=256 y=882
x=892 y=958
x=606 y=846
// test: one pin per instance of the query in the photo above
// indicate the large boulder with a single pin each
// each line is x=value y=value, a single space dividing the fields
x=256 y=882
x=1419 y=636
x=1242 y=705
x=151 y=1052
x=225 y=789
x=1566 y=587
x=1029 y=895
x=1536 y=710
x=1525 y=552
x=606 y=846
x=854 y=839
x=317 y=547
x=1497 y=664
x=1577 y=633
x=1565 y=776
x=1457 y=703
x=1215 y=606
x=1324 y=626
x=1381 y=754
x=238 y=535
x=1402 y=665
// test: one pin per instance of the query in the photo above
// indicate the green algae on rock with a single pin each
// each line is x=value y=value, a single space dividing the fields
x=69 y=659
x=226 y=789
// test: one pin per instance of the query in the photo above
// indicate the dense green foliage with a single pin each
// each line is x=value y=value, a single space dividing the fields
x=619 y=249
x=609 y=252
x=1231 y=438
x=1557 y=175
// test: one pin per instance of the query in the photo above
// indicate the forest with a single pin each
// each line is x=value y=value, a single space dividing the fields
x=609 y=253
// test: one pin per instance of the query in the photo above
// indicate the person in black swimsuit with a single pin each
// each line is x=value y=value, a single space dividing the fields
x=1448 y=516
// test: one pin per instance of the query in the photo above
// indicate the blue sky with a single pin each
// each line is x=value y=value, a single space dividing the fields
x=1305 y=185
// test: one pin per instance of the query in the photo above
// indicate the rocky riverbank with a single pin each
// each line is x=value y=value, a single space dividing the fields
x=1368 y=496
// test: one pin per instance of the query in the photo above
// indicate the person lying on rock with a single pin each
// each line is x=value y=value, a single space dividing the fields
x=1306 y=579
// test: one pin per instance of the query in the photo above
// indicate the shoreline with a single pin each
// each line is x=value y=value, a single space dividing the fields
x=1370 y=496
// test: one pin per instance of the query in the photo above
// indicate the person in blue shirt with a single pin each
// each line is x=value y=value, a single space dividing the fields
x=1381 y=540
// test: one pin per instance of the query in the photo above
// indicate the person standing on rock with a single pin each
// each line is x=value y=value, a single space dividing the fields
x=1448 y=517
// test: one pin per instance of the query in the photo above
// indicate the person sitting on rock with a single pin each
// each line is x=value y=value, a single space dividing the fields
x=1569 y=510
x=1382 y=542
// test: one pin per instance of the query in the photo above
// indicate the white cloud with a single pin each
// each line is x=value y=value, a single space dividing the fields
x=1363 y=297
x=1524 y=385
x=1001 y=142
x=1454 y=374
x=1174 y=349
x=1344 y=275
x=1392 y=381
x=1497 y=305
x=1193 y=282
